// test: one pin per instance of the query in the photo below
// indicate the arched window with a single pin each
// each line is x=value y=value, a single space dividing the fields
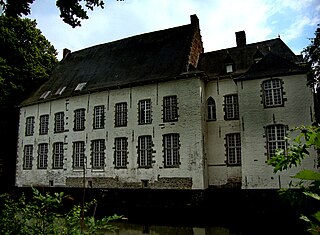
x=211 y=109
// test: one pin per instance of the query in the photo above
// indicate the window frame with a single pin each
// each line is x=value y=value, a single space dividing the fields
x=98 y=117
x=272 y=96
x=57 y=155
x=28 y=157
x=79 y=119
x=78 y=155
x=231 y=109
x=171 y=147
x=121 y=152
x=42 y=156
x=145 y=150
x=170 y=109
x=29 y=131
x=276 y=142
x=144 y=112
x=211 y=109
x=233 y=149
x=44 y=124
x=98 y=147
x=59 y=122
x=121 y=114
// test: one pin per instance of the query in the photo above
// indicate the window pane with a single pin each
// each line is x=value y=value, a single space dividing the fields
x=170 y=108
x=275 y=139
x=42 y=156
x=272 y=91
x=121 y=113
x=29 y=126
x=98 y=147
x=231 y=107
x=145 y=151
x=144 y=111
x=98 y=117
x=121 y=152
x=78 y=155
x=59 y=122
x=58 y=155
x=79 y=119
x=44 y=124
x=233 y=149
x=28 y=157
x=171 y=150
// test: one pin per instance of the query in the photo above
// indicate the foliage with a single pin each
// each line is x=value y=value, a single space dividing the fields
x=26 y=59
x=71 y=11
x=42 y=215
x=311 y=55
x=308 y=138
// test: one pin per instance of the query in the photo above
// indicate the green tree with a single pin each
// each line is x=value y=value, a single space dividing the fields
x=26 y=59
x=71 y=11
x=307 y=140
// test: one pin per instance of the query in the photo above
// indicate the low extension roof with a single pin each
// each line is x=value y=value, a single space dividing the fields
x=140 y=59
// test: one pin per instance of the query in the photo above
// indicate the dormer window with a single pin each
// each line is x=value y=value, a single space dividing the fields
x=229 y=68
x=60 y=90
x=45 y=95
x=257 y=56
x=80 y=86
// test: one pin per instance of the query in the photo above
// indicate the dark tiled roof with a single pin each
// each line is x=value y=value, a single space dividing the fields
x=139 y=59
x=275 y=56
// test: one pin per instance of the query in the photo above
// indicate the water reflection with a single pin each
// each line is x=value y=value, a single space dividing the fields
x=136 y=229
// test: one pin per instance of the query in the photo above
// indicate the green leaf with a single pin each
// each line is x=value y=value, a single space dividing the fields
x=307 y=175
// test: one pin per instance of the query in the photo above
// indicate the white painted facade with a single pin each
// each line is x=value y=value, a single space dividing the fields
x=190 y=127
x=202 y=143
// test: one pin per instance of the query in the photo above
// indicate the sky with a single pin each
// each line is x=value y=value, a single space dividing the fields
x=294 y=21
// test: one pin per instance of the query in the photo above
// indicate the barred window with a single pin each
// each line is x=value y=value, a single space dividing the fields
x=231 y=107
x=98 y=147
x=144 y=111
x=29 y=126
x=42 y=156
x=27 y=157
x=44 y=124
x=170 y=109
x=78 y=155
x=58 y=155
x=79 y=119
x=144 y=151
x=98 y=117
x=171 y=150
x=211 y=109
x=121 y=114
x=275 y=139
x=272 y=93
x=59 y=122
x=121 y=152
x=233 y=148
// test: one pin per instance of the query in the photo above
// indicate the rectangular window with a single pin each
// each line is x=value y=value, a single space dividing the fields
x=29 y=126
x=272 y=93
x=144 y=151
x=144 y=111
x=58 y=155
x=171 y=150
x=98 y=117
x=78 y=155
x=233 y=149
x=231 y=107
x=121 y=152
x=121 y=114
x=27 y=157
x=79 y=119
x=42 y=156
x=275 y=139
x=44 y=124
x=170 y=109
x=98 y=147
x=59 y=122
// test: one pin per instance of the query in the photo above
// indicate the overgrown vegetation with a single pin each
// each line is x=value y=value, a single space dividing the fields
x=306 y=141
x=46 y=214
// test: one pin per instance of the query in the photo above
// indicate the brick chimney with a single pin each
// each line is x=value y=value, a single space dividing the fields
x=241 y=38
x=65 y=53
x=194 y=20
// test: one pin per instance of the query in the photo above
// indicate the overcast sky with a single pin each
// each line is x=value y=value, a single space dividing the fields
x=294 y=21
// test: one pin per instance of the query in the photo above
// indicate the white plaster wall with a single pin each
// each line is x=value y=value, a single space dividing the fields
x=218 y=171
x=190 y=127
x=296 y=111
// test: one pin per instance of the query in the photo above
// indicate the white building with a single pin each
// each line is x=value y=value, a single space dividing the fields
x=154 y=111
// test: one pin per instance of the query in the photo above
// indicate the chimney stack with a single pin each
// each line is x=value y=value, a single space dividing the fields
x=194 y=20
x=65 y=53
x=241 y=38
